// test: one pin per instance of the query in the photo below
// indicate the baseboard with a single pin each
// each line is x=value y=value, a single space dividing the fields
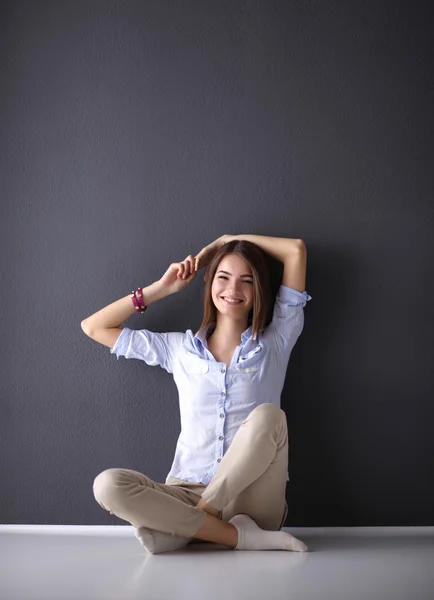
x=128 y=530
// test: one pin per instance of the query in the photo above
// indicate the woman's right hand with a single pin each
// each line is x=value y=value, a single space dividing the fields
x=179 y=275
x=207 y=253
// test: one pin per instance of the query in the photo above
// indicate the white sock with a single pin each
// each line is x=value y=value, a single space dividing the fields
x=252 y=537
x=159 y=541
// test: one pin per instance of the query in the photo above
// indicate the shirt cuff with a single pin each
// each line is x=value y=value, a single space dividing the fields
x=293 y=297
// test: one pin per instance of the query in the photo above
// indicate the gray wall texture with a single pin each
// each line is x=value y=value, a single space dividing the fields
x=133 y=134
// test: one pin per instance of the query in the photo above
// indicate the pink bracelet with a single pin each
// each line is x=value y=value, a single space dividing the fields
x=138 y=303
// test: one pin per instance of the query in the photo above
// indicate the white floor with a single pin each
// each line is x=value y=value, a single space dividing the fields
x=78 y=562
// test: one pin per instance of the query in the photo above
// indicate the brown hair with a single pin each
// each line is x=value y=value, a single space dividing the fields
x=256 y=258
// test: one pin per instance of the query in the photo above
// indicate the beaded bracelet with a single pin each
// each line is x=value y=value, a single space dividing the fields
x=138 y=303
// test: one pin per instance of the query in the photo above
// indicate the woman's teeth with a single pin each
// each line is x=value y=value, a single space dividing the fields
x=232 y=301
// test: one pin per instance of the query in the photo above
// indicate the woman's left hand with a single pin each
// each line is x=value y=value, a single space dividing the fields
x=207 y=253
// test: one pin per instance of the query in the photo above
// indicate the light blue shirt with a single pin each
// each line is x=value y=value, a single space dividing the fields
x=215 y=399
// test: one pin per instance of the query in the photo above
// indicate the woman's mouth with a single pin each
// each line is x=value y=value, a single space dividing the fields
x=232 y=302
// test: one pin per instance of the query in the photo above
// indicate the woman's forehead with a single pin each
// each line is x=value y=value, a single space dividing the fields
x=236 y=263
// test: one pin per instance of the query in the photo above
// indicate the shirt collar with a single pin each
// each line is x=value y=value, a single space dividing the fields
x=201 y=335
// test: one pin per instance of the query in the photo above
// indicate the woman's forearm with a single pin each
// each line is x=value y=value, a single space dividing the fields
x=116 y=313
x=276 y=247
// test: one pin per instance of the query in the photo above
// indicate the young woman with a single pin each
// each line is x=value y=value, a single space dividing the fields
x=228 y=479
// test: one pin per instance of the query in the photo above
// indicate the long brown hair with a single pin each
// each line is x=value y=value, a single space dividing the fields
x=256 y=258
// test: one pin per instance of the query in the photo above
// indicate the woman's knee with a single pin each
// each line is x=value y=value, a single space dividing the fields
x=110 y=481
x=103 y=481
x=269 y=411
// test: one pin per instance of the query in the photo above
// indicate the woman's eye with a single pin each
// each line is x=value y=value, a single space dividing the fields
x=246 y=281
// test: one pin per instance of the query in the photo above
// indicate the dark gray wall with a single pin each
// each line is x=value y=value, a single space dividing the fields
x=135 y=133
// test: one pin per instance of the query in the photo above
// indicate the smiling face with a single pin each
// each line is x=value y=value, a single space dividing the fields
x=233 y=279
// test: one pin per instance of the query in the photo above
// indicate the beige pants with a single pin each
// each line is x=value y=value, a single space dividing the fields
x=251 y=480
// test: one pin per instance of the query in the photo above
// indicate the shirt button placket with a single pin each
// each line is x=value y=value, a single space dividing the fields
x=223 y=394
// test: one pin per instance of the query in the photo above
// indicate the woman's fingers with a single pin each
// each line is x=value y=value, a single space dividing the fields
x=186 y=267
x=190 y=266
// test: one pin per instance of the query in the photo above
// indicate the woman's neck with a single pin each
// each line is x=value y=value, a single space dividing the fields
x=227 y=335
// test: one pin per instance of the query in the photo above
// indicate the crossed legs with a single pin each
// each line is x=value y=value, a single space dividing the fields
x=251 y=479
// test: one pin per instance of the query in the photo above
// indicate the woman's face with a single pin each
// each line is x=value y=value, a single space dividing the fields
x=235 y=282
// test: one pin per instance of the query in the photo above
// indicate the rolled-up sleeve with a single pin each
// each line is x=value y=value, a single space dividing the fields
x=152 y=347
x=288 y=319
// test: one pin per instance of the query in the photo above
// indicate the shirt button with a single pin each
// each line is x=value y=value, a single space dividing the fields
x=221 y=437
x=219 y=460
x=223 y=370
x=223 y=393
x=222 y=415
